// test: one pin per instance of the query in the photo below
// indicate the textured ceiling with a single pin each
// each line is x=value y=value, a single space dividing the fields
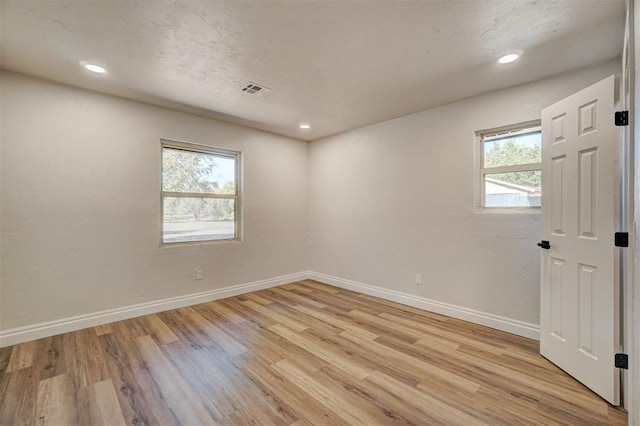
x=338 y=65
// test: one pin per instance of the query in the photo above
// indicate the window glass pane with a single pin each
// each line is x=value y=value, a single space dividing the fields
x=188 y=171
x=516 y=189
x=515 y=150
x=198 y=219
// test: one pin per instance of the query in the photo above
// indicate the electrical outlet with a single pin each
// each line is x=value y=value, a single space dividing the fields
x=418 y=279
x=199 y=274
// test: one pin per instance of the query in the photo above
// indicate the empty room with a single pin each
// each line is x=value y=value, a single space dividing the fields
x=349 y=212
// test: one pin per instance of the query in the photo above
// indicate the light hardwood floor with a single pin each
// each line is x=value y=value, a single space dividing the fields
x=303 y=353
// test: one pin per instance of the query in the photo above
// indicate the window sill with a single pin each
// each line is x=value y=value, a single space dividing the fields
x=200 y=243
x=499 y=210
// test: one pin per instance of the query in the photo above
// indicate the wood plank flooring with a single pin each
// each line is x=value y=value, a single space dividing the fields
x=299 y=354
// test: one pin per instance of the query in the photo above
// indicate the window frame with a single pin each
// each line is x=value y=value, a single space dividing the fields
x=203 y=149
x=479 y=141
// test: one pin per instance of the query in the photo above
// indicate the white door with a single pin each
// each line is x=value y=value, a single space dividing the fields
x=578 y=305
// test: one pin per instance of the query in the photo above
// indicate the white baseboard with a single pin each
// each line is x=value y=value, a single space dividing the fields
x=520 y=328
x=51 y=328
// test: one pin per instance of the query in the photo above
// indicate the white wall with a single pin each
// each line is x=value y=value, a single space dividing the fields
x=397 y=198
x=80 y=204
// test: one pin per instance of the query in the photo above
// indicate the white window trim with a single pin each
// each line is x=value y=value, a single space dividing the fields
x=479 y=137
x=206 y=149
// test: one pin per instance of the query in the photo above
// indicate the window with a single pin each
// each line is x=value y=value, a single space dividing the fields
x=200 y=193
x=511 y=168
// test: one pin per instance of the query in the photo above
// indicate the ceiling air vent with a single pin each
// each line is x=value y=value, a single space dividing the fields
x=255 y=89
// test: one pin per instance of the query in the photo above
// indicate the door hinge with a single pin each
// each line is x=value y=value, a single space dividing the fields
x=622 y=361
x=622 y=118
x=621 y=239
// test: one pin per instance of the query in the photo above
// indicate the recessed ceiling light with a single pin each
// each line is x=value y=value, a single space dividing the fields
x=304 y=126
x=507 y=59
x=94 y=68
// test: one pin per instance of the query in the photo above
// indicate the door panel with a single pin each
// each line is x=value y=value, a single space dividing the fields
x=558 y=195
x=587 y=279
x=578 y=322
x=587 y=193
x=557 y=289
